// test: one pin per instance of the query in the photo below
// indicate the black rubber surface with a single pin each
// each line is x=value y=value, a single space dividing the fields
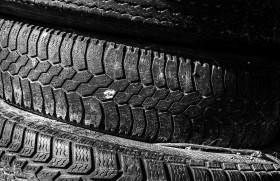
x=250 y=24
x=37 y=148
x=137 y=92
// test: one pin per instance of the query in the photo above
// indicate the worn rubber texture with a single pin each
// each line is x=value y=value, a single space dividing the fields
x=37 y=148
x=207 y=23
x=137 y=93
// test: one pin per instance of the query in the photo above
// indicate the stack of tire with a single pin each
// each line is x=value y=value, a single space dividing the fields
x=138 y=90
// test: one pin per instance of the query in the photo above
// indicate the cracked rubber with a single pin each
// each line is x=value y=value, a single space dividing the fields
x=34 y=148
x=136 y=92
x=209 y=23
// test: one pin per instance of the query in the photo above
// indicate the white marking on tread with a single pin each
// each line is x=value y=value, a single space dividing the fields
x=109 y=94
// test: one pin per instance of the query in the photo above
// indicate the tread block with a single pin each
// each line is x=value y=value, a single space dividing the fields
x=111 y=116
x=171 y=72
x=178 y=171
x=197 y=163
x=13 y=36
x=43 y=152
x=78 y=53
x=152 y=124
x=113 y=60
x=66 y=50
x=202 y=78
x=230 y=82
x=214 y=165
x=5 y=30
x=151 y=102
x=17 y=90
x=61 y=107
x=93 y=114
x=218 y=175
x=251 y=176
x=29 y=143
x=8 y=88
x=15 y=67
x=43 y=44
x=26 y=93
x=41 y=67
x=22 y=39
x=200 y=174
x=145 y=64
x=65 y=74
x=32 y=43
x=165 y=126
x=32 y=168
x=211 y=131
x=4 y=54
x=234 y=175
x=47 y=174
x=95 y=82
x=17 y=138
x=81 y=160
x=75 y=108
x=155 y=170
x=258 y=167
x=131 y=89
x=94 y=56
x=20 y=163
x=198 y=130
x=158 y=70
x=11 y=58
x=61 y=153
x=172 y=98
x=30 y=65
x=244 y=167
x=45 y=78
x=131 y=168
x=125 y=119
x=105 y=164
x=7 y=134
x=49 y=103
x=6 y=160
x=139 y=122
x=37 y=96
x=54 y=47
x=130 y=64
x=137 y=100
x=181 y=128
x=217 y=80
x=185 y=75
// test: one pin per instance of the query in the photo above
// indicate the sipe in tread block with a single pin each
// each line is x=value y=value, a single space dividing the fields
x=65 y=152
x=136 y=93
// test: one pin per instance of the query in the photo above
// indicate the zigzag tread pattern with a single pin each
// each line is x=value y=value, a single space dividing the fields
x=135 y=93
x=92 y=158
